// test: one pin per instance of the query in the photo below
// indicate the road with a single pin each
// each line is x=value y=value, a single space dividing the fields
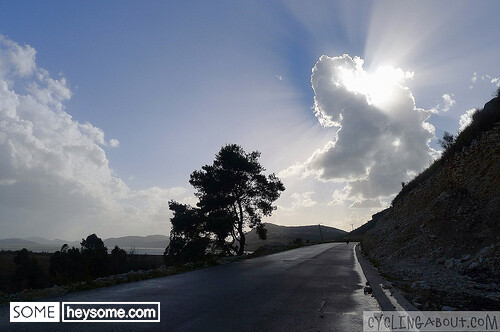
x=315 y=288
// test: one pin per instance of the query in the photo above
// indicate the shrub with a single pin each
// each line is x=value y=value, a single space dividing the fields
x=28 y=272
x=95 y=255
x=67 y=266
x=118 y=260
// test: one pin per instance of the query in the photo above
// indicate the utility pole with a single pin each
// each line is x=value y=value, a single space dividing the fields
x=320 y=233
x=352 y=227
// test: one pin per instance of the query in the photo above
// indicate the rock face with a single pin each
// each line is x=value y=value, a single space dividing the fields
x=445 y=233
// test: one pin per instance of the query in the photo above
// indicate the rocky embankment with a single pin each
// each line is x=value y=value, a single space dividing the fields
x=440 y=242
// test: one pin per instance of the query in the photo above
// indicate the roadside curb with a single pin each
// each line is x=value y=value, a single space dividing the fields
x=390 y=299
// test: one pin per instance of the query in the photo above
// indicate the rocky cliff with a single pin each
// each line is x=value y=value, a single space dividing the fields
x=440 y=241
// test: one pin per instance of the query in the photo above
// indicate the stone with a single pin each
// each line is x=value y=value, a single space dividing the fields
x=421 y=284
x=448 y=263
x=473 y=265
x=465 y=257
x=447 y=308
x=367 y=289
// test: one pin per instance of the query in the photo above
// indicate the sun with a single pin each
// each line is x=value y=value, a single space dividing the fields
x=380 y=86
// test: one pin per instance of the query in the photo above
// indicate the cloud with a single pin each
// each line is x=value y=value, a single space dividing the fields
x=55 y=178
x=298 y=201
x=448 y=102
x=114 y=143
x=487 y=78
x=339 y=197
x=297 y=169
x=379 y=135
x=303 y=200
x=368 y=203
x=496 y=81
x=474 y=78
x=466 y=119
x=491 y=79
x=16 y=59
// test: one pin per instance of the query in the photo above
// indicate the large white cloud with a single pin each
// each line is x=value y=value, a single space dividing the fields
x=379 y=137
x=55 y=178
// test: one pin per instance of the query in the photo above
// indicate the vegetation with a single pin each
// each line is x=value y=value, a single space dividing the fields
x=66 y=266
x=28 y=273
x=233 y=194
x=24 y=269
x=94 y=256
x=118 y=260
x=482 y=121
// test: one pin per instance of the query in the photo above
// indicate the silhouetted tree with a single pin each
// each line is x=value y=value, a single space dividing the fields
x=119 y=260
x=95 y=255
x=447 y=141
x=188 y=238
x=28 y=272
x=234 y=194
x=67 y=266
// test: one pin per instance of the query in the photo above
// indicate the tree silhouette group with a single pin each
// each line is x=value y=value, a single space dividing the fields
x=233 y=195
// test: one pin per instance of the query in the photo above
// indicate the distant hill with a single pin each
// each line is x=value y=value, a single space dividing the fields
x=55 y=242
x=282 y=235
x=276 y=235
x=150 y=241
x=13 y=242
x=39 y=243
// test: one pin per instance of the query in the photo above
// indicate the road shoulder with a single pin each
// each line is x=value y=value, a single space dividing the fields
x=388 y=297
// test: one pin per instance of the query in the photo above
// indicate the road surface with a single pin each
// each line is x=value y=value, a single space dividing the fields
x=315 y=288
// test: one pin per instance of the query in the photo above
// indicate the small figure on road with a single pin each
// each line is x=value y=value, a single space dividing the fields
x=346 y=240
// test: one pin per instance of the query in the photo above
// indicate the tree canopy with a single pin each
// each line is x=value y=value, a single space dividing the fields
x=233 y=194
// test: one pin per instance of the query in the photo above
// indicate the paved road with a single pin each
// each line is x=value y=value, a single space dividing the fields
x=316 y=288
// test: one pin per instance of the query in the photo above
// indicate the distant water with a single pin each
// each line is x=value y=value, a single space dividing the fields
x=52 y=249
x=142 y=251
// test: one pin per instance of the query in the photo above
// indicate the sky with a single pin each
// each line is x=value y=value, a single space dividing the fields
x=107 y=107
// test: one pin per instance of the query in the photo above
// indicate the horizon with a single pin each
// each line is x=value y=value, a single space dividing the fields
x=166 y=235
x=103 y=117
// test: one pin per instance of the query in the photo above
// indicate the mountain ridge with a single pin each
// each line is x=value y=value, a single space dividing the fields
x=148 y=241
x=277 y=235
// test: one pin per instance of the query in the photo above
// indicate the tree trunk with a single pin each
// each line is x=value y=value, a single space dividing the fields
x=241 y=249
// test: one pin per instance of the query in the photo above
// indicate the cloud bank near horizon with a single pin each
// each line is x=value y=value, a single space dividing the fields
x=55 y=177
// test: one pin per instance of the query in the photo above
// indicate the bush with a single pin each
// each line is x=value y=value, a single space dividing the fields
x=67 y=266
x=28 y=272
x=95 y=256
x=118 y=260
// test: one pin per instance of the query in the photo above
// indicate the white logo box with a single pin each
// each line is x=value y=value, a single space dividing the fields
x=35 y=312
